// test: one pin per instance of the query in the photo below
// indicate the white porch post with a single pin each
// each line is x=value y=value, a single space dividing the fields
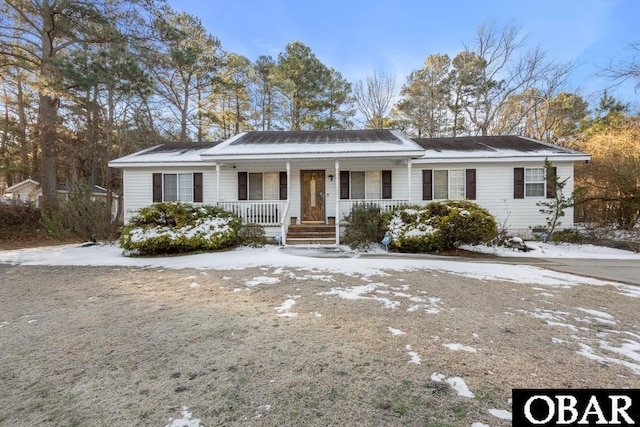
x=409 y=179
x=217 y=182
x=337 y=197
x=284 y=225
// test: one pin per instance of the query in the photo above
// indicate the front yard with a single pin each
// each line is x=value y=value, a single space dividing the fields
x=277 y=346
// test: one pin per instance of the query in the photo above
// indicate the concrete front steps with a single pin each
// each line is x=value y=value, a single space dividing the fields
x=311 y=234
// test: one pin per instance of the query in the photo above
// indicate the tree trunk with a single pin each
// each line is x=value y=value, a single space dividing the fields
x=22 y=131
x=47 y=118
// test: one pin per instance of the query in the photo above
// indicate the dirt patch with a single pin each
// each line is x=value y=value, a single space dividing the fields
x=274 y=347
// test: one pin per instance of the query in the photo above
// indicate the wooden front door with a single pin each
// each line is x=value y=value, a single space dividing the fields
x=312 y=196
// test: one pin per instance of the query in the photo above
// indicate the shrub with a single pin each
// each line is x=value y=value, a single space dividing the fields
x=165 y=228
x=252 y=235
x=20 y=220
x=440 y=225
x=363 y=226
x=80 y=216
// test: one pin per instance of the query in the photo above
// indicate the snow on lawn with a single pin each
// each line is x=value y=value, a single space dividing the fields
x=338 y=260
x=555 y=250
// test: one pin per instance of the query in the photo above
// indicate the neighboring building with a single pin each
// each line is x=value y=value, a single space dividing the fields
x=31 y=191
x=280 y=178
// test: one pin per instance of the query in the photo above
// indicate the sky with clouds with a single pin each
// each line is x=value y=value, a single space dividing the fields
x=395 y=36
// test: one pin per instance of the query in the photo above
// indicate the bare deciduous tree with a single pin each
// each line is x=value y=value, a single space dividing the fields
x=373 y=98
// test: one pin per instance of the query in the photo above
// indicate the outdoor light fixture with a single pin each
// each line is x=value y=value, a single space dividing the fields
x=331 y=177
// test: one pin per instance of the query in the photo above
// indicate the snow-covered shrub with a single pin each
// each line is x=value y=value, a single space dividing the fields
x=440 y=225
x=178 y=228
x=363 y=226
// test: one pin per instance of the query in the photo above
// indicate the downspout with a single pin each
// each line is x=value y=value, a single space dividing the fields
x=337 y=197
x=409 y=179
x=217 y=183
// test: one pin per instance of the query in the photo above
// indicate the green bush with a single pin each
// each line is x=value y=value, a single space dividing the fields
x=80 y=216
x=363 y=226
x=252 y=235
x=439 y=226
x=166 y=228
x=19 y=221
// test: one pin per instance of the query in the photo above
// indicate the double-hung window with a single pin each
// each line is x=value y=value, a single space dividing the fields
x=452 y=184
x=369 y=185
x=262 y=186
x=177 y=187
x=534 y=182
x=366 y=185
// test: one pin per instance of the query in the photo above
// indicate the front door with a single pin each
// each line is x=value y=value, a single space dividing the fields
x=312 y=196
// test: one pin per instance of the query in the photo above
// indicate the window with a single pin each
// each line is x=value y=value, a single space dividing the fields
x=262 y=186
x=366 y=185
x=177 y=187
x=534 y=182
x=454 y=184
x=449 y=184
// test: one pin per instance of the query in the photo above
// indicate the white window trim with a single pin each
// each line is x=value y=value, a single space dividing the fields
x=449 y=185
x=543 y=182
x=262 y=174
x=366 y=185
x=178 y=188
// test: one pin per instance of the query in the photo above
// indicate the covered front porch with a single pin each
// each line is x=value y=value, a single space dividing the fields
x=305 y=194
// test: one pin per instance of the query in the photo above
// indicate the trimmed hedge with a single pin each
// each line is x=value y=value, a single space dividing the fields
x=166 y=228
x=439 y=226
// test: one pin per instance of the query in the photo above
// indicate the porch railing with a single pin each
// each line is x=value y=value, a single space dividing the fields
x=263 y=212
x=385 y=205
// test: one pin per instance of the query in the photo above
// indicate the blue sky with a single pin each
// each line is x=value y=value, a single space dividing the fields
x=395 y=36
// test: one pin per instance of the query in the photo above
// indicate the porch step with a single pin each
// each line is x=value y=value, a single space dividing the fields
x=311 y=234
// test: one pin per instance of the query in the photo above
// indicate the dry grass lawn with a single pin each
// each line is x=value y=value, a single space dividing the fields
x=104 y=346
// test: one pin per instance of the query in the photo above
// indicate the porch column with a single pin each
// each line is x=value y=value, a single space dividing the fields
x=337 y=197
x=217 y=182
x=409 y=179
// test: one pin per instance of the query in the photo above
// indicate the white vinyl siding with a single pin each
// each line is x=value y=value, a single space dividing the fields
x=534 y=182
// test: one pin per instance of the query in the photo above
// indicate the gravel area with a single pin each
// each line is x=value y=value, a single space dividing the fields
x=106 y=346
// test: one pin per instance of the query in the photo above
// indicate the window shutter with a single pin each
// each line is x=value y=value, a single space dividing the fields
x=197 y=187
x=242 y=185
x=470 y=177
x=157 y=187
x=427 y=184
x=283 y=186
x=551 y=189
x=518 y=183
x=386 y=184
x=344 y=184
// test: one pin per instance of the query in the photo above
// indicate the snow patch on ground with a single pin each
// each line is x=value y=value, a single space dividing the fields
x=415 y=357
x=456 y=383
x=185 y=421
x=396 y=331
x=460 y=347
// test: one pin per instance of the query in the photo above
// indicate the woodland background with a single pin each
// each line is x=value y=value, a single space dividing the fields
x=85 y=82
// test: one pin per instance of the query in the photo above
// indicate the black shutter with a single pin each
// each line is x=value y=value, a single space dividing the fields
x=518 y=183
x=386 y=184
x=552 y=177
x=427 y=184
x=283 y=186
x=344 y=184
x=197 y=187
x=157 y=187
x=242 y=185
x=470 y=177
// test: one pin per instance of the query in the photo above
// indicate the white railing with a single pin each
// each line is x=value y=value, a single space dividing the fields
x=385 y=205
x=284 y=221
x=263 y=212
